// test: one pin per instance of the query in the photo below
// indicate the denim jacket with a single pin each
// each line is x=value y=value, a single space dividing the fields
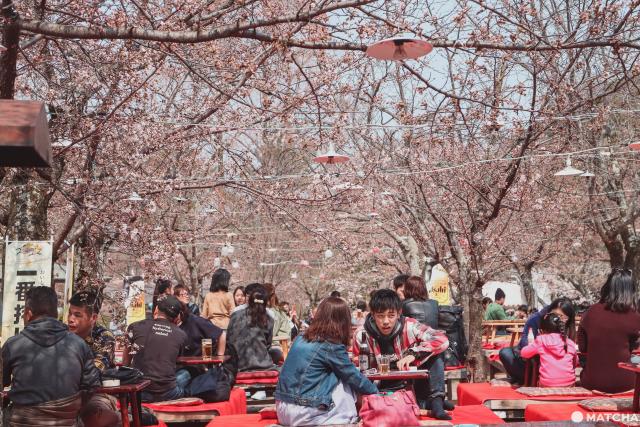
x=312 y=371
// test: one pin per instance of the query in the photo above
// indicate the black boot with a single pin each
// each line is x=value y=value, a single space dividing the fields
x=437 y=409
x=446 y=404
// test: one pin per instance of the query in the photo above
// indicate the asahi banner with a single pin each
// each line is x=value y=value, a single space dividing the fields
x=26 y=264
x=438 y=286
x=135 y=300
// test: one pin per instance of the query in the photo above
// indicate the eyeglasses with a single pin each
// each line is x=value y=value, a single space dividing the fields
x=622 y=270
x=183 y=294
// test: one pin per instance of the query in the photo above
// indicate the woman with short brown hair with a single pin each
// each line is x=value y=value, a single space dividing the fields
x=318 y=381
x=417 y=304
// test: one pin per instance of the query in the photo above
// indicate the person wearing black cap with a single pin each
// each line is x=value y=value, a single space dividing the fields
x=153 y=345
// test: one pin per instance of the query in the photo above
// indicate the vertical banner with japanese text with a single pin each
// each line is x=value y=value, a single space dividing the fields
x=26 y=264
x=438 y=285
x=135 y=301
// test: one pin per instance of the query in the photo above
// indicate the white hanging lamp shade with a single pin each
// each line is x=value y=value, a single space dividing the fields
x=399 y=48
x=304 y=263
x=135 y=197
x=294 y=275
x=569 y=170
x=328 y=253
x=587 y=174
x=635 y=146
x=217 y=262
x=331 y=156
x=235 y=264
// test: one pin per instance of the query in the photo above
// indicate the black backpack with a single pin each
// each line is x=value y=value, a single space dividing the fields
x=451 y=321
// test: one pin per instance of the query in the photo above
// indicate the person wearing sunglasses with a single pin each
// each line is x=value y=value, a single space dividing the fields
x=608 y=333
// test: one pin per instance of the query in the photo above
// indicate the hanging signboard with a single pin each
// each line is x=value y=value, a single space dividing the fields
x=135 y=301
x=26 y=264
x=439 y=285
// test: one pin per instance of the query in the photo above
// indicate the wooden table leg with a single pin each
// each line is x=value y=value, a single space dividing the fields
x=135 y=410
x=124 y=409
x=636 y=395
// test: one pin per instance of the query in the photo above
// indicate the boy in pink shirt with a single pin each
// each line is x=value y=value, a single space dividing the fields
x=558 y=354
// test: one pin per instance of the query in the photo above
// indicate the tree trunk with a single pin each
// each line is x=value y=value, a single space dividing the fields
x=476 y=360
x=526 y=279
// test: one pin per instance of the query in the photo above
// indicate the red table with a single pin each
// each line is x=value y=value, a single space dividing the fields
x=636 y=390
x=125 y=393
x=199 y=360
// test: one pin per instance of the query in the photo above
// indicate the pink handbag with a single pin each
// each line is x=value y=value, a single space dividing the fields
x=398 y=410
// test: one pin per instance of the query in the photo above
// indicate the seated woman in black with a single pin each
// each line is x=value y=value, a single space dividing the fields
x=249 y=335
x=197 y=328
x=417 y=304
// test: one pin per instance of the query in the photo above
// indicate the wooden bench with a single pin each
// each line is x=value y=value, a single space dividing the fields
x=255 y=381
x=490 y=327
x=452 y=378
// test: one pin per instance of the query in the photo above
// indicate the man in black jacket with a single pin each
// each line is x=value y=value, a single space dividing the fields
x=49 y=368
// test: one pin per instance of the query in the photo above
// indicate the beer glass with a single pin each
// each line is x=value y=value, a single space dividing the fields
x=383 y=364
x=207 y=348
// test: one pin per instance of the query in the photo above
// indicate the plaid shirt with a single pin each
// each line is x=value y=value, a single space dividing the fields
x=416 y=339
x=103 y=344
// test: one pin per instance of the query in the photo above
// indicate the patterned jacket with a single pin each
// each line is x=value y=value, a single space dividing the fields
x=415 y=339
x=103 y=344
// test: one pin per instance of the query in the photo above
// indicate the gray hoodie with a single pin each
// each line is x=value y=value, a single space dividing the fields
x=46 y=362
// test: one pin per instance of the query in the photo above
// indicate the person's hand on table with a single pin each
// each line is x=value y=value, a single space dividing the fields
x=405 y=362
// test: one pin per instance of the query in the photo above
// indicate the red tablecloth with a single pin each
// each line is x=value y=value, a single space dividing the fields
x=478 y=393
x=246 y=420
x=569 y=411
x=551 y=411
x=257 y=377
x=237 y=404
x=478 y=414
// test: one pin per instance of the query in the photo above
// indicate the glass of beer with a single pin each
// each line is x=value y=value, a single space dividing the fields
x=207 y=348
x=383 y=364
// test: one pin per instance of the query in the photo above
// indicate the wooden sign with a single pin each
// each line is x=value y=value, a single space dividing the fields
x=24 y=134
x=26 y=264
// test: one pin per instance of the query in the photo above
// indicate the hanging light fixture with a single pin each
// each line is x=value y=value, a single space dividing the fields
x=135 y=197
x=294 y=275
x=216 y=262
x=399 y=48
x=587 y=174
x=328 y=254
x=304 y=263
x=569 y=170
x=331 y=156
x=235 y=264
x=635 y=146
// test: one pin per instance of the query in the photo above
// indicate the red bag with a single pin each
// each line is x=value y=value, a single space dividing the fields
x=398 y=410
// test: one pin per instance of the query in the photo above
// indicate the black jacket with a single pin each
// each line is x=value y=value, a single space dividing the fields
x=425 y=312
x=47 y=362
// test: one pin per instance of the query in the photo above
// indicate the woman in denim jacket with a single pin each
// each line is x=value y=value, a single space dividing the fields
x=318 y=381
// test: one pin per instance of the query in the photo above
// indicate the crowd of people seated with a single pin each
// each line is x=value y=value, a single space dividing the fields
x=607 y=334
x=55 y=369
